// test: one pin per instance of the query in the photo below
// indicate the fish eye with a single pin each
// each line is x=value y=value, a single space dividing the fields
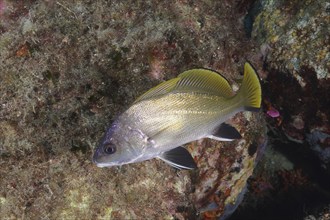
x=109 y=148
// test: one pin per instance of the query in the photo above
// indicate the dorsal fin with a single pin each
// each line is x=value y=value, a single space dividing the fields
x=161 y=89
x=205 y=81
x=195 y=80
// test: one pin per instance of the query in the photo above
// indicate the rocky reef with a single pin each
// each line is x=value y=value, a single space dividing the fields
x=68 y=68
x=294 y=173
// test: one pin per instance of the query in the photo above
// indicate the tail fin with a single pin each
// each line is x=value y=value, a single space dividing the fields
x=250 y=90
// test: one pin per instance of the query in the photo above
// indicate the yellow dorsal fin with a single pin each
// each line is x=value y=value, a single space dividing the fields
x=161 y=89
x=195 y=80
x=204 y=81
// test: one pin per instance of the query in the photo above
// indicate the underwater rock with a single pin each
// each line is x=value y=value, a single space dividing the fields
x=297 y=66
x=68 y=68
x=224 y=168
x=319 y=142
x=298 y=33
x=292 y=179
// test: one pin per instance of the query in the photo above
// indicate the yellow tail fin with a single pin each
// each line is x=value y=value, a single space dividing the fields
x=250 y=90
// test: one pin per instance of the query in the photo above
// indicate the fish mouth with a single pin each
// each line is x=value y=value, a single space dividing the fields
x=96 y=159
x=99 y=163
x=102 y=165
x=102 y=160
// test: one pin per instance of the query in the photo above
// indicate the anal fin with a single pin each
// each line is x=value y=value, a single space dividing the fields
x=179 y=158
x=225 y=132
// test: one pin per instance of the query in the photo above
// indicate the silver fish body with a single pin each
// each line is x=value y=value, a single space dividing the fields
x=192 y=106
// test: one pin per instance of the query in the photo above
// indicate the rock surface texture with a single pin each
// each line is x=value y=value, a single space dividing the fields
x=295 y=37
x=294 y=42
x=68 y=68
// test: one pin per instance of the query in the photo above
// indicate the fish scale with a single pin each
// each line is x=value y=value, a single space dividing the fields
x=186 y=110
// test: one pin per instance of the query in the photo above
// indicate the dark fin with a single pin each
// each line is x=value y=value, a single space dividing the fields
x=225 y=132
x=179 y=158
x=251 y=109
x=250 y=89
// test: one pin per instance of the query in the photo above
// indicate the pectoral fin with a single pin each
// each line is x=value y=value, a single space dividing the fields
x=225 y=132
x=179 y=158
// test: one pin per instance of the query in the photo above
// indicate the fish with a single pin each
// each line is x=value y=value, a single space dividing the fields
x=194 y=105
